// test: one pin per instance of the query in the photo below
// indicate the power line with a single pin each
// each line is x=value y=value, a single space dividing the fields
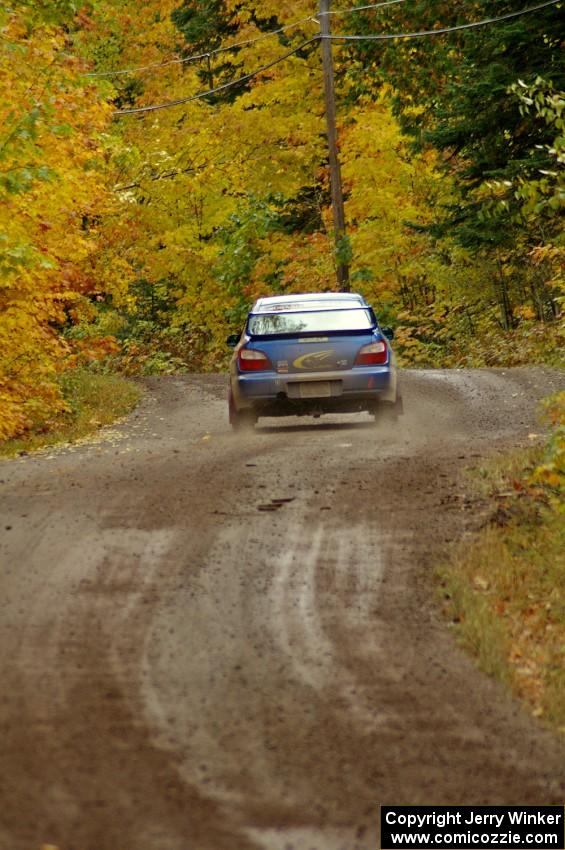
x=321 y=37
x=360 y=8
x=153 y=108
x=195 y=57
x=153 y=65
x=390 y=36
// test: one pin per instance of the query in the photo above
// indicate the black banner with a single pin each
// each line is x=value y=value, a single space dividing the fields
x=477 y=827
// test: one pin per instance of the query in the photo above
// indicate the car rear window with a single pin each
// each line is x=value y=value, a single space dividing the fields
x=324 y=321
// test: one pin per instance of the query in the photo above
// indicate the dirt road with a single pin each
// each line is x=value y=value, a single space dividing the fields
x=214 y=642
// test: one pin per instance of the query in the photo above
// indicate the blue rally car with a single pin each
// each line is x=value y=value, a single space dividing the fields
x=311 y=354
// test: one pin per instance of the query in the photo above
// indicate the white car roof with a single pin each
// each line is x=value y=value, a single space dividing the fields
x=309 y=301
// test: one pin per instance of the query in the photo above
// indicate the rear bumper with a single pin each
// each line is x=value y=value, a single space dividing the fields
x=274 y=394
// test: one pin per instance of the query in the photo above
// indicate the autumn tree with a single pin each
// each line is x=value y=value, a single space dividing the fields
x=455 y=93
x=52 y=187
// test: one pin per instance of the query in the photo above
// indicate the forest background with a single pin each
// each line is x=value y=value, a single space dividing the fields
x=134 y=242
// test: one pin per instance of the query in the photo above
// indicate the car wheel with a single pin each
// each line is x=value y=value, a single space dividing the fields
x=241 y=419
x=387 y=411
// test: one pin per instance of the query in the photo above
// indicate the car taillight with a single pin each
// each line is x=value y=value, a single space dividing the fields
x=251 y=360
x=374 y=354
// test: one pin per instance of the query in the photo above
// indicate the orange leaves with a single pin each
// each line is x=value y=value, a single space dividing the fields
x=531 y=652
x=92 y=349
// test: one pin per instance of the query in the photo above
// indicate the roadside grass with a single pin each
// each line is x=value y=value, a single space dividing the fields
x=93 y=400
x=504 y=591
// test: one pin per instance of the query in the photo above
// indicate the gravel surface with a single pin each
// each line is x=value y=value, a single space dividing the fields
x=214 y=641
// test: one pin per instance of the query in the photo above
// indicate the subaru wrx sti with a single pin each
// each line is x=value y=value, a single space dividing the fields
x=311 y=354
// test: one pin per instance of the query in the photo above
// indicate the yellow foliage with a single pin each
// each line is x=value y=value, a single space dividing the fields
x=386 y=188
x=51 y=196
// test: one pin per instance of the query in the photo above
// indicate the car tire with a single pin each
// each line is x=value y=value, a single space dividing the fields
x=241 y=420
x=387 y=411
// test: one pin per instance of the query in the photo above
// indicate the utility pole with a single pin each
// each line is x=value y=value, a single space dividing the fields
x=342 y=268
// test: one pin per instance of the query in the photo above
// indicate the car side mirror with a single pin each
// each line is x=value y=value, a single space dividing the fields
x=388 y=333
x=233 y=340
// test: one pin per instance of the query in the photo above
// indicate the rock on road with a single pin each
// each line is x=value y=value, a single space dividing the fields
x=219 y=642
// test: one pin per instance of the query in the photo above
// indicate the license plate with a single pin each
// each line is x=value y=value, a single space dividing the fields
x=315 y=389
